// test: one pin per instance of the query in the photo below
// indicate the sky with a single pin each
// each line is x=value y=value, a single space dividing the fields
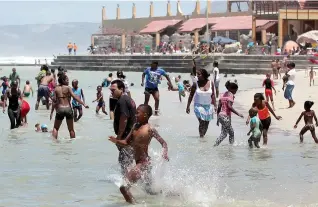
x=51 y=12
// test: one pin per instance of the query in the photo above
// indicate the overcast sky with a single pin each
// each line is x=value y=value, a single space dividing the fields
x=49 y=12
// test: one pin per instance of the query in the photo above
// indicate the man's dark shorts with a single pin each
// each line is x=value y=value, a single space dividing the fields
x=151 y=90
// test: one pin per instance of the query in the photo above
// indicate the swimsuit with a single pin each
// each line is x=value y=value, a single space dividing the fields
x=26 y=94
x=265 y=117
x=43 y=91
x=268 y=87
x=101 y=103
x=62 y=112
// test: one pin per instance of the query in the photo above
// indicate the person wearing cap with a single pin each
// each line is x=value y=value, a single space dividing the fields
x=14 y=76
x=14 y=95
x=153 y=75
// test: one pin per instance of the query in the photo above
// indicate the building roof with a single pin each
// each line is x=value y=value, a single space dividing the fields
x=157 y=26
x=236 y=23
x=112 y=31
x=193 y=24
x=222 y=23
x=265 y=26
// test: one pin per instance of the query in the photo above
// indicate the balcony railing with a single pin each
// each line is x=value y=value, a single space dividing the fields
x=271 y=7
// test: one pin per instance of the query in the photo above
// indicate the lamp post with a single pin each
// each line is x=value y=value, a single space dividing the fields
x=207 y=32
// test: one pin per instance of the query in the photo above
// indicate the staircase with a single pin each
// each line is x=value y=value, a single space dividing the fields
x=249 y=64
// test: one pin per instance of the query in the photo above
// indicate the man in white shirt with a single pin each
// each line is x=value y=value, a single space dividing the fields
x=216 y=77
x=290 y=85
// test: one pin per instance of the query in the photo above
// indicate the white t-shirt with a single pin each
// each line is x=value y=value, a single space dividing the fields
x=217 y=73
x=291 y=78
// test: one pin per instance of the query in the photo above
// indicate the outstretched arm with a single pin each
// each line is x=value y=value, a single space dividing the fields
x=301 y=116
x=272 y=111
x=76 y=97
x=155 y=134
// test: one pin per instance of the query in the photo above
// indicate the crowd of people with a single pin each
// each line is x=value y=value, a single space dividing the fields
x=133 y=132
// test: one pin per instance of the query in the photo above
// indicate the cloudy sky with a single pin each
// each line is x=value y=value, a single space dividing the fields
x=49 y=12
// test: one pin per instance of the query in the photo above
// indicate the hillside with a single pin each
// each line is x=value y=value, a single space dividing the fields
x=44 y=39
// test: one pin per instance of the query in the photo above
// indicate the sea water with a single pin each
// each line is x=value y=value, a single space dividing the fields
x=38 y=171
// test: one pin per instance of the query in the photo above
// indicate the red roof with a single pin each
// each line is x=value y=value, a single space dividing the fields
x=156 y=26
x=197 y=23
x=222 y=23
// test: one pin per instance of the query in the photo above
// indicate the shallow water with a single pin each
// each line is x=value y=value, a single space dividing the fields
x=37 y=171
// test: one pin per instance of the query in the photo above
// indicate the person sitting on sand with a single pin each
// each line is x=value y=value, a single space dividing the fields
x=308 y=115
x=312 y=74
x=27 y=89
x=269 y=87
x=139 y=138
x=255 y=129
x=264 y=110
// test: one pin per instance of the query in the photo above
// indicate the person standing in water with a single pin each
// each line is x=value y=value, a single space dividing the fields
x=269 y=87
x=27 y=89
x=153 y=75
x=308 y=115
x=108 y=80
x=112 y=100
x=75 y=105
x=204 y=97
x=264 y=110
x=124 y=120
x=216 y=77
x=14 y=76
x=180 y=88
x=5 y=84
x=14 y=95
x=139 y=139
x=61 y=102
x=255 y=129
x=225 y=108
x=75 y=48
x=44 y=91
x=100 y=101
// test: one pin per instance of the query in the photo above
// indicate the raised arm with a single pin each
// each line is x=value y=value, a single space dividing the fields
x=155 y=134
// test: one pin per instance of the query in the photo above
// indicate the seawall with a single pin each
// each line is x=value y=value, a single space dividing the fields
x=236 y=64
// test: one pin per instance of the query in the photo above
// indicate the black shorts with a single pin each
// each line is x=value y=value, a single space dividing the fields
x=79 y=107
x=62 y=112
x=112 y=104
x=151 y=90
x=266 y=123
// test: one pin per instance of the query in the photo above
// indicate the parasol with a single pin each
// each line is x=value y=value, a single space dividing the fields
x=310 y=37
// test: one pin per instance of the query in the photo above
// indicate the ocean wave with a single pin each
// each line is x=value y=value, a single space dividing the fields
x=25 y=60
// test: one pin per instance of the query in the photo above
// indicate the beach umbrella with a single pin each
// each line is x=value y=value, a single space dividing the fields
x=310 y=37
x=289 y=45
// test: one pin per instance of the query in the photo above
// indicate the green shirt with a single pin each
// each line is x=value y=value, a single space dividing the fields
x=14 y=77
x=256 y=131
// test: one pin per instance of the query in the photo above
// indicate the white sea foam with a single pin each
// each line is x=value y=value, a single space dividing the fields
x=25 y=60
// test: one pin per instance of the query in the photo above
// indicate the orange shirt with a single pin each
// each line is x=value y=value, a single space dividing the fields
x=75 y=47
x=70 y=46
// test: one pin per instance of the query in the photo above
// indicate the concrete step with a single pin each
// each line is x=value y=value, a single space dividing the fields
x=126 y=68
x=261 y=61
x=161 y=63
x=253 y=65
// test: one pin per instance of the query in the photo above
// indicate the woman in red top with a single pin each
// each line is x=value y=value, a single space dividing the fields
x=264 y=110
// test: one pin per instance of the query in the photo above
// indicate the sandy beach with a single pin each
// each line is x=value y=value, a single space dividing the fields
x=301 y=93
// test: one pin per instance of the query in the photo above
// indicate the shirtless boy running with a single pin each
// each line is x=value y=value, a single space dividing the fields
x=139 y=138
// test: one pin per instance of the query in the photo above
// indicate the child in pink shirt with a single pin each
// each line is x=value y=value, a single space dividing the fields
x=225 y=108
